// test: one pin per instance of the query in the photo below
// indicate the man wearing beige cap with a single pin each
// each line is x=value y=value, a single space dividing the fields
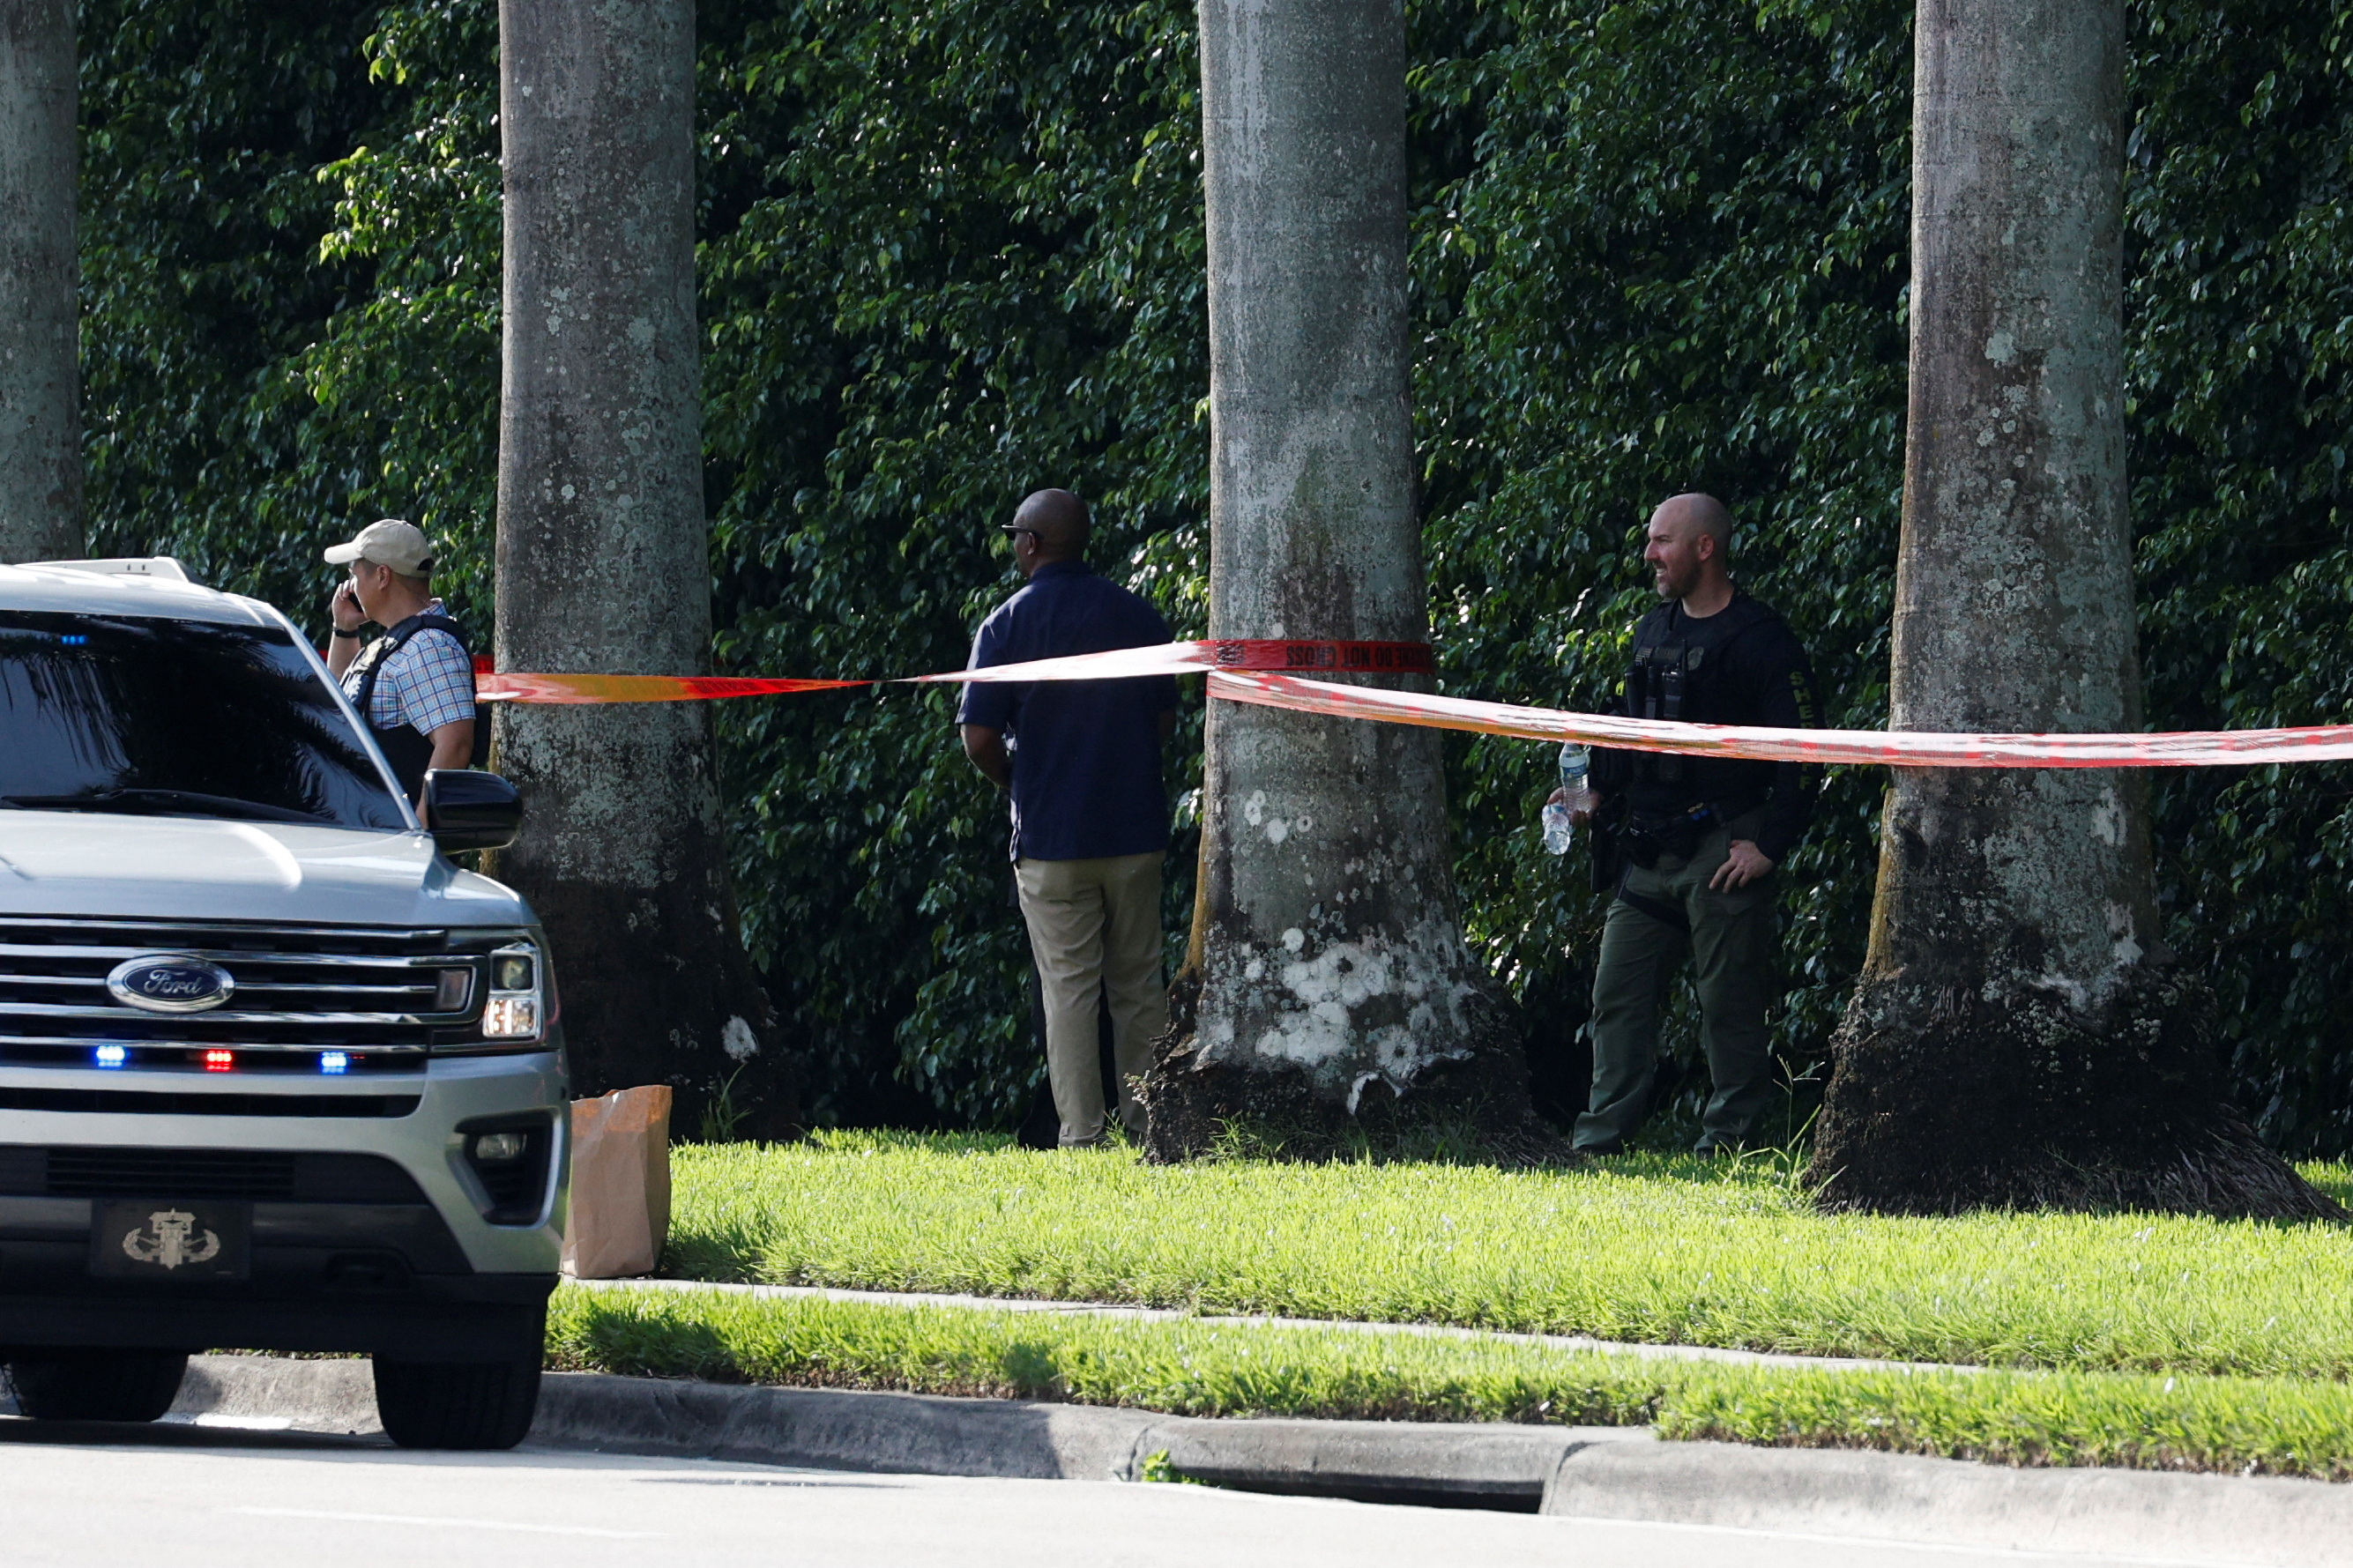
x=414 y=686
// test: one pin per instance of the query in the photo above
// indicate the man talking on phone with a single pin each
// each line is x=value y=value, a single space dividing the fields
x=414 y=685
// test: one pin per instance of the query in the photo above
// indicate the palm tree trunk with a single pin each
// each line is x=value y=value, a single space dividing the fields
x=603 y=555
x=2019 y=1034
x=40 y=325
x=1331 y=961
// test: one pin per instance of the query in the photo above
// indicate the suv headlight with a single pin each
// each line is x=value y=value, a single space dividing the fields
x=517 y=1006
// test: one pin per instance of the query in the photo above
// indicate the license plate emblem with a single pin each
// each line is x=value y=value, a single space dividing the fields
x=161 y=1240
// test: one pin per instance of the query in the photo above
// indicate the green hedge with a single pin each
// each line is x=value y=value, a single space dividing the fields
x=953 y=251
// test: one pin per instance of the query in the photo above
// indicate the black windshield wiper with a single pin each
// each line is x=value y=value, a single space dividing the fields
x=161 y=803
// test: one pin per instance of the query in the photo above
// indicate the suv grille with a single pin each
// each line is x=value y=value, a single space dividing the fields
x=382 y=997
x=66 y=1171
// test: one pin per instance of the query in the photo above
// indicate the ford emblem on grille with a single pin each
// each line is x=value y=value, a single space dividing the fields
x=170 y=983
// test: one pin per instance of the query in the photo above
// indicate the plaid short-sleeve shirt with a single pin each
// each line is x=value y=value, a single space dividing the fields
x=428 y=682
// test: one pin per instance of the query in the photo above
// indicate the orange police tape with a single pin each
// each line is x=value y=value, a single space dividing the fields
x=1258 y=671
x=1118 y=664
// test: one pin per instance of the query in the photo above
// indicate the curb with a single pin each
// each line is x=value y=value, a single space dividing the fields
x=913 y=1433
x=1592 y=1473
x=282 y=1393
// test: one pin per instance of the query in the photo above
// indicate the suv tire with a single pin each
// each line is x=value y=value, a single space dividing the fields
x=457 y=1404
x=96 y=1384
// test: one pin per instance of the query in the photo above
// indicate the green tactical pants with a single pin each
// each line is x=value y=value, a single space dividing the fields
x=1730 y=938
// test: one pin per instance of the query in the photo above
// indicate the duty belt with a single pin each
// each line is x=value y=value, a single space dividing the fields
x=1649 y=836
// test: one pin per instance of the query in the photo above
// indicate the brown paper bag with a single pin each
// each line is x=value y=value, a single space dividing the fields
x=620 y=1183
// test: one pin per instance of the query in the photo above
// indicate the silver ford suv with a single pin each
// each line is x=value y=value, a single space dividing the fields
x=274 y=1073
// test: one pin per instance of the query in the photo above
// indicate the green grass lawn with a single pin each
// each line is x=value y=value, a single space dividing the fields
x=1665 y=1250
x=2279 y=1426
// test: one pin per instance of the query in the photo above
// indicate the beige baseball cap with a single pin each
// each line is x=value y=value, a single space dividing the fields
x=388 y=542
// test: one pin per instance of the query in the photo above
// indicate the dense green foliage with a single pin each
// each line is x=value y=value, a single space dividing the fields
x=2234 y=1425
x=953 y=250
x=2240 y=328
x=1677 y=1251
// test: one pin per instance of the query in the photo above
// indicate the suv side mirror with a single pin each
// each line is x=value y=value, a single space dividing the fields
x=468 y=810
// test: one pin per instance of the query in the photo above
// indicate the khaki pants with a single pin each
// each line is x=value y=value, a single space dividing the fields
x=1729 y=937
x=1095 y=927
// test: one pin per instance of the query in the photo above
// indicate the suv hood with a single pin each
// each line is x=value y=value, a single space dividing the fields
x=75 y=863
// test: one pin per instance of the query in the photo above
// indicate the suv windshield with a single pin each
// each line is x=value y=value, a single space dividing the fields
x=123 y=714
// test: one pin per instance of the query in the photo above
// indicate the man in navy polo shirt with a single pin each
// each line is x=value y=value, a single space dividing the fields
x=1090 y=814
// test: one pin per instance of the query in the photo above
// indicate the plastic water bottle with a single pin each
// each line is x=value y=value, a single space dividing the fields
x=1558 y=830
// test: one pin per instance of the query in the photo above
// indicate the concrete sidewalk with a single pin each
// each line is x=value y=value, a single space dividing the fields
x=1584 y=1473
x=1347 y=1325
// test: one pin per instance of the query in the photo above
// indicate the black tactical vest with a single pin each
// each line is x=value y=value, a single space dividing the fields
x=403 y=748
x=1681 y=680
x=1665 y=682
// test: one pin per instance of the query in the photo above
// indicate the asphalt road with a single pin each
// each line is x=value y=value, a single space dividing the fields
x=195 y=1497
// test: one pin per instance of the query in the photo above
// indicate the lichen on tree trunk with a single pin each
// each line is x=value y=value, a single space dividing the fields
x=2019 y=1034
x=40 y=328
x=1331 y=961
x=603 y=559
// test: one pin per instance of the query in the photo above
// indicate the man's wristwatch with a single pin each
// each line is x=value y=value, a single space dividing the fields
x=353 y=634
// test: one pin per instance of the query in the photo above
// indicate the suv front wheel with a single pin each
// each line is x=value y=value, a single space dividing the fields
x=96 y=1384
x=457 y=1404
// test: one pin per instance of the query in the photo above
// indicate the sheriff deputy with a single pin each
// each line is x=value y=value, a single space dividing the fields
x=1690 y=843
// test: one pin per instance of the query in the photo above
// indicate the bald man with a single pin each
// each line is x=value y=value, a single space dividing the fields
x=1089 y=811
x=1697 y=838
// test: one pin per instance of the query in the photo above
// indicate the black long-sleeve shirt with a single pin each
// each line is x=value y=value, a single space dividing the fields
x=1753 y=670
